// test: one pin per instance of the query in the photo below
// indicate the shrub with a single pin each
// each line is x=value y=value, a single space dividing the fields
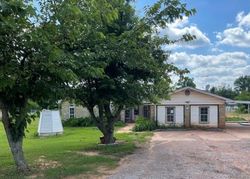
x=120 y=123
x=241 y=109
x=79 y=122
x=143 y=124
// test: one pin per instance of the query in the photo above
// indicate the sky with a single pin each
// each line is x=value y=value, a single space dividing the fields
x=221 y=51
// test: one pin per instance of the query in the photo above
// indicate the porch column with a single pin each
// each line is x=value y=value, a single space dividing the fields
x=152 y=112
x=222 y=116
x=187 y=122
x=132 y=114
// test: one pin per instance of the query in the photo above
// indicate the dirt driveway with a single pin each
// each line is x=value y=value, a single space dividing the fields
x=192 y=154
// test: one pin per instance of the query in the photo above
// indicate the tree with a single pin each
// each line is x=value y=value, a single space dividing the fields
x=130 y=65
x=80 y=35
x=244 y=96
x=186 y=82
x=31 y=68
x=242 y=83
x=225 y=92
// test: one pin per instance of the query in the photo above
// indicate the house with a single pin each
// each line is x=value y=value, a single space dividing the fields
x=188 y=107
x=71 y=110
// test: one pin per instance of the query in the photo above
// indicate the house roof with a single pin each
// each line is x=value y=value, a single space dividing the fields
x=203 y=92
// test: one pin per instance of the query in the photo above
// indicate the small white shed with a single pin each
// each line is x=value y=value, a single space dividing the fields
x=50 y=123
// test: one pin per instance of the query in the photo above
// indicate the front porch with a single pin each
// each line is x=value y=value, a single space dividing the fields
x=130 y=114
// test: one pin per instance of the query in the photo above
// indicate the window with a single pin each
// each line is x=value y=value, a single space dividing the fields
x=170 y=114
x=146 y=111
x=71 y=111
x=203 y=114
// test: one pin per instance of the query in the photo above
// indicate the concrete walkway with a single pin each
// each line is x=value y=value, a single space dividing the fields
x=191 y=154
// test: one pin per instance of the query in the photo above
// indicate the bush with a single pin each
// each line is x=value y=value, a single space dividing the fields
x=120 y=124
x=143 y=124
x=79 y=122
x=241 y=109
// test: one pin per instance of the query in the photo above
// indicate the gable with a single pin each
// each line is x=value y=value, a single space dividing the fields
x=194 y=97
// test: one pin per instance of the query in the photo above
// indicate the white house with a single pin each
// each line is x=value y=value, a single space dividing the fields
x=186 y=107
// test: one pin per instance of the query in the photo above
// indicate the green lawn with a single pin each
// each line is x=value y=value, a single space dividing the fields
x=68 y=154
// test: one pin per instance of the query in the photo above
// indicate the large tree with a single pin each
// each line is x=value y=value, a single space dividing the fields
x=242 y=83
x=80 y=33
x=31 y=68
x=186 y=82
x=226 y=92
x=130 y=65
x=243 y=96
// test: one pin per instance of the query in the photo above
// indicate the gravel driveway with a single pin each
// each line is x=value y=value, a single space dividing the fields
x=193 y=154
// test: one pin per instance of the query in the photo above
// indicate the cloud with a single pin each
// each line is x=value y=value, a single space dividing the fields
x=218 y=67
x=180 y=27
x=238 y=36
x=215 y=70
x=243 y=20
x=215 y=49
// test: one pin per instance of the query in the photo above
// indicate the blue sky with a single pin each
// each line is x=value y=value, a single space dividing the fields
x=221 y=52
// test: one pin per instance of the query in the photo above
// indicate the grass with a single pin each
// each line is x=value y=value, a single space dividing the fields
x=65 y=155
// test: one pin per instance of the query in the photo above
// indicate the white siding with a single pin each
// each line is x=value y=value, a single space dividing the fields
x=194 y=117
x=161 y=113
x=179 y=115
x=212 y=117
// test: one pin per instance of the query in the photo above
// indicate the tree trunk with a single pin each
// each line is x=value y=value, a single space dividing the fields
x=108 y=135
x=108 y=138
x=105 y=123
x=15 y=146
